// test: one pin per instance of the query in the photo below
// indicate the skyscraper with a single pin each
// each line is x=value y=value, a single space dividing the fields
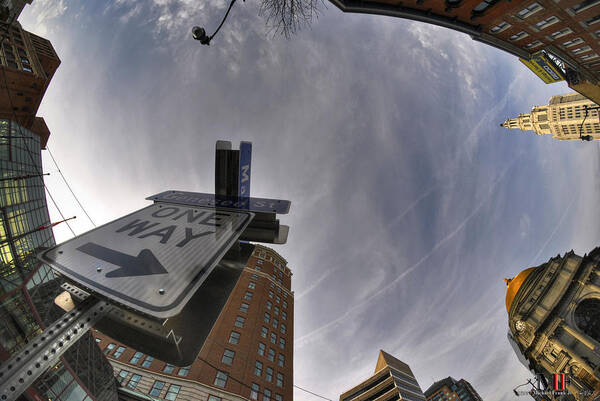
x=28 y=287
x=562 y=118
x=566 y=31
x=554 y=322
x=393 y=380
x=247 y=355
x=450 y=389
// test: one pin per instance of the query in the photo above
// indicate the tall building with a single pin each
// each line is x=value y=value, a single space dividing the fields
x=11 y=9
x=450 y=389
x=28 y=287
x=247 y=355
x=393 y=380
x=562 y=118
x=567 y=31
x=27 y=64
x=554 y=323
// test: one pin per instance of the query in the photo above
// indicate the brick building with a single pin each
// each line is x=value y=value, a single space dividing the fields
x=450 y=389
x=27 y=64
x=247 y=355
x=568 y=31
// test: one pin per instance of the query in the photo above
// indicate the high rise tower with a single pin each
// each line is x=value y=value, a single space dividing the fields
x=247 y=355
x=562 y=118
x=392 y=381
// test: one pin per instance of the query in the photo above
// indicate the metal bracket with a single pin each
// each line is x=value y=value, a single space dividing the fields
x=43 y=352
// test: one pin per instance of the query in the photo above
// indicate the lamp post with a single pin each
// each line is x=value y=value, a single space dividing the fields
x=200 y=34
x=586 y=137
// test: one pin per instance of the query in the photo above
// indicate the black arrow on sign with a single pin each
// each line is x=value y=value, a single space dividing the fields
x=144 y=264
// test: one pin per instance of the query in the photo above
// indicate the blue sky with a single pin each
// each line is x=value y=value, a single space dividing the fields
x=409 y=202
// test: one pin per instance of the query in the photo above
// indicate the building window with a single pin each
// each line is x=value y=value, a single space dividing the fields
x=588 y=57
x=136 y=358
x=546 y=23
x=168 y=368
x=584 y=5
x=279 y=380
x=248 y=296
x=271 y=294
x=561 y=33
x=269 y=305
x=281 y=342
x=483 y=6
x=275 y=323
x=147 y=362
x=254 y=391
x=276 y=310
x=213 y=398
x=228 y=357
x=269 y=374
x=183 y=371
x=284 y=304
x=122 y=375
x=255 y=277
x=572 y=42
x=280 y=360
x=239 y=321
x=278 y=397
x=259 y=262
x=220 y=379
x=261 y=349
x=258 y=268
x=283 y=315
x=263 y=332
x=157 y=388
x=109 y=348
x=234 y=337
x=244 y=308
x=267 y=317
x=271 y=356
x=282 y=328
x=593 y=20
x=98 y=340
x=277 y=298
x=533 y=45
x=285 y=295
x=518 y=36
x=267 y=395
x=258 y=368
x=581 y=50
x=273 y=338
x=134 y=381
x=528 y=11
x=587 y=317
x=119 y=352
x=252 y=285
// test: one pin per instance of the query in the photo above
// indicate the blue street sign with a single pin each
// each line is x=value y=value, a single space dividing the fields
x=278 y=206
x=244 y=175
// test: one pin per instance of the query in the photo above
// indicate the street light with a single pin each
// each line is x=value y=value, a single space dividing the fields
x=199 y=33
x=586 y=137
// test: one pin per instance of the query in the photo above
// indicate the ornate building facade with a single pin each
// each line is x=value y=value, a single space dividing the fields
x=392 y=381
x=554 y=323
x=248 y=354
x=565 y=117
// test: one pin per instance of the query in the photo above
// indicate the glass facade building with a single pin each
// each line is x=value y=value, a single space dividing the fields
x=28 y=287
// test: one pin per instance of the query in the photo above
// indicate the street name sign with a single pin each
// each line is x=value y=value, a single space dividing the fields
x=152 y=260
x=261 y=205
x=245 y=165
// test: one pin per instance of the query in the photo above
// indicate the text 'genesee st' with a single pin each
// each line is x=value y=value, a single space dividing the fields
x=204 y=218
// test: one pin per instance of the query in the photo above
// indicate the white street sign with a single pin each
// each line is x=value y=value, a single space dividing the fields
x=152 y=260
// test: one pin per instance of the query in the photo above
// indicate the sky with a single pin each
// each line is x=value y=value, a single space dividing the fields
x=410 y=204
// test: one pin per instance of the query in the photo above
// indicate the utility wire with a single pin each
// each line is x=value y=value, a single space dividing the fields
x=325 y=398
x=68 y=186
x=5 y=37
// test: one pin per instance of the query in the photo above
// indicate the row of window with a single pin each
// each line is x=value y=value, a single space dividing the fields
x=157 y=387
x=221 y=381
x=168 y=368
x=234 y=337
x=258 y=369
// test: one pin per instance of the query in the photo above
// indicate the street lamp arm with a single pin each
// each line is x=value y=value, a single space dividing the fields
x=200 y=33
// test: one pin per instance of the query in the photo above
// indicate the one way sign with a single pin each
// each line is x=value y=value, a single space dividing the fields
x=152 y=260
